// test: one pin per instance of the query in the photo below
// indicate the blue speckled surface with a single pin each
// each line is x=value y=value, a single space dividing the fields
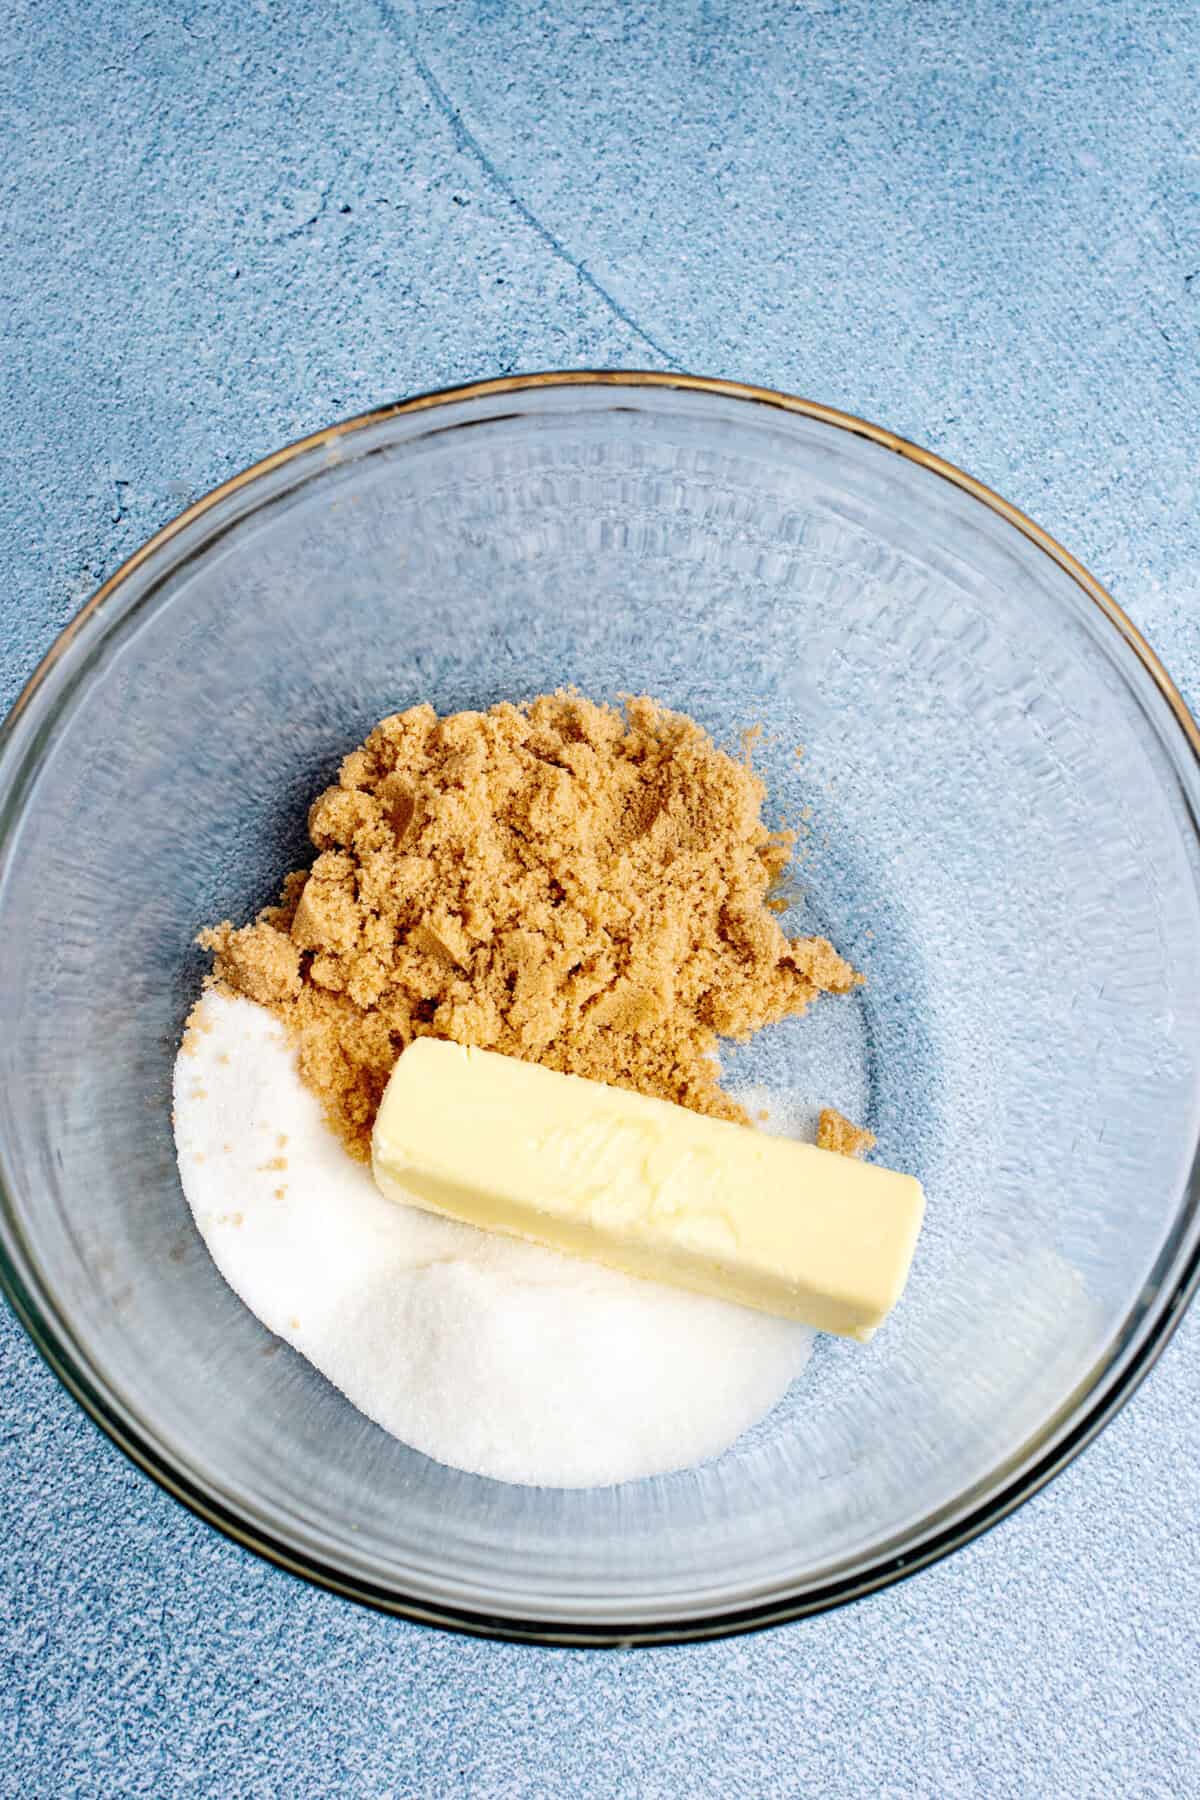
x=226 y=225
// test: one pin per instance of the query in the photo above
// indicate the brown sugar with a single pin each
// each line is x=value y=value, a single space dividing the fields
x=570 y=883
x=835 y=1132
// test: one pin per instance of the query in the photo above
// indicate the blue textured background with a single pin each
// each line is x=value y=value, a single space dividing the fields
x=225 y=225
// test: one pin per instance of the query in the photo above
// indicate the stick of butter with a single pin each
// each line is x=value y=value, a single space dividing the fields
x=646 y=1186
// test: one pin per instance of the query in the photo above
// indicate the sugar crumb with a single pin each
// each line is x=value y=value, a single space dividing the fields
x=837 y=1133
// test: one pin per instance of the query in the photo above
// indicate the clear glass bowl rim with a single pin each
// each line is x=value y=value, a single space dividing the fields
x=1062 y=1438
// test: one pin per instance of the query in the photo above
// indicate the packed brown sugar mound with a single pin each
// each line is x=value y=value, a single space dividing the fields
x=569 y=883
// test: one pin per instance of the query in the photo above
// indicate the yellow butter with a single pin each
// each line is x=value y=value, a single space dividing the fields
x=646 y=1187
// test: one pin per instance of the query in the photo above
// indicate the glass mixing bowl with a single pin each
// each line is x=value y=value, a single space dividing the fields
x=998 y=802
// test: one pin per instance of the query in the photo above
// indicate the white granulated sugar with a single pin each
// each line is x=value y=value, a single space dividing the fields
x=483 y=1352
x=782 y=1113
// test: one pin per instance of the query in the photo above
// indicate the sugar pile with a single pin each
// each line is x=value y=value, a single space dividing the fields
x=489 y=1354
